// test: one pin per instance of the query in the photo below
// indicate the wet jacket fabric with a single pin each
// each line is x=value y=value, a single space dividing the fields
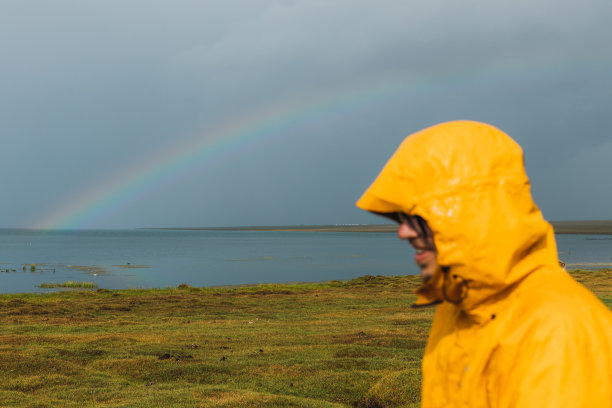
x=512 y=328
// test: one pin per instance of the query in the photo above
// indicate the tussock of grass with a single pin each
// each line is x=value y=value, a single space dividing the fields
x=337 y=344
x=396 y=389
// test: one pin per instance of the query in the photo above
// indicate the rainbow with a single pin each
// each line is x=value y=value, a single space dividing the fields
x=93 y=207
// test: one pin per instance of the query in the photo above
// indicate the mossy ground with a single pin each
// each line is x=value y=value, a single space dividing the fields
x=338 y=344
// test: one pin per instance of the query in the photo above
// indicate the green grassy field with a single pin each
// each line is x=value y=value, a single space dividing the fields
x=338 y=344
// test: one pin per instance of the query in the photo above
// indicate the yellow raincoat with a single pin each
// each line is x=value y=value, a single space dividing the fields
x=513 y=328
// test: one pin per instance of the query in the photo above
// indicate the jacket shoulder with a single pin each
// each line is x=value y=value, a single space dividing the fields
x=554 y=347
x=554 y=297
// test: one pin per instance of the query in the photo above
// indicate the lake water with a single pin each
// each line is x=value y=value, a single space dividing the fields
x=161 y=258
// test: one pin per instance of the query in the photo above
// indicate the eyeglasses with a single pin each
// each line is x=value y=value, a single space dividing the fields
x=418 y=224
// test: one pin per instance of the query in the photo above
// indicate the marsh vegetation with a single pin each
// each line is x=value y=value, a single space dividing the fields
x=69 y=284
x=337 y=344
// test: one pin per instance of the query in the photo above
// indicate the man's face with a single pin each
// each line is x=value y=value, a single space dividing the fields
x=415 y=230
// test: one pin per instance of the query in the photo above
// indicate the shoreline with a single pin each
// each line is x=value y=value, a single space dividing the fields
x=415 y=279
x=597 y=227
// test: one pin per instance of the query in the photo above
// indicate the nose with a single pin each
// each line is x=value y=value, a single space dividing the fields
x=406 y=232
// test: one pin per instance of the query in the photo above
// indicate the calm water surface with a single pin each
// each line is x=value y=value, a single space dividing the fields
x=161 y=258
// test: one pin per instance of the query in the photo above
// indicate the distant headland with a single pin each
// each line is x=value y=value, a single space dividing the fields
x=583 y=227
x=304 y=228
x=561 y=227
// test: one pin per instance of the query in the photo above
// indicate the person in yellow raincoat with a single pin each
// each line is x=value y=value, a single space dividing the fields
x=512 y=328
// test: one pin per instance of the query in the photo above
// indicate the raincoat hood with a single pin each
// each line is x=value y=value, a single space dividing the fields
x=468 y=181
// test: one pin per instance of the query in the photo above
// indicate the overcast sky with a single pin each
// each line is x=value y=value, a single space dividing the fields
x=123 y=114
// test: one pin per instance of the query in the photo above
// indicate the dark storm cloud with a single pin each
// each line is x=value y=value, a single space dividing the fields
x=92 y=90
